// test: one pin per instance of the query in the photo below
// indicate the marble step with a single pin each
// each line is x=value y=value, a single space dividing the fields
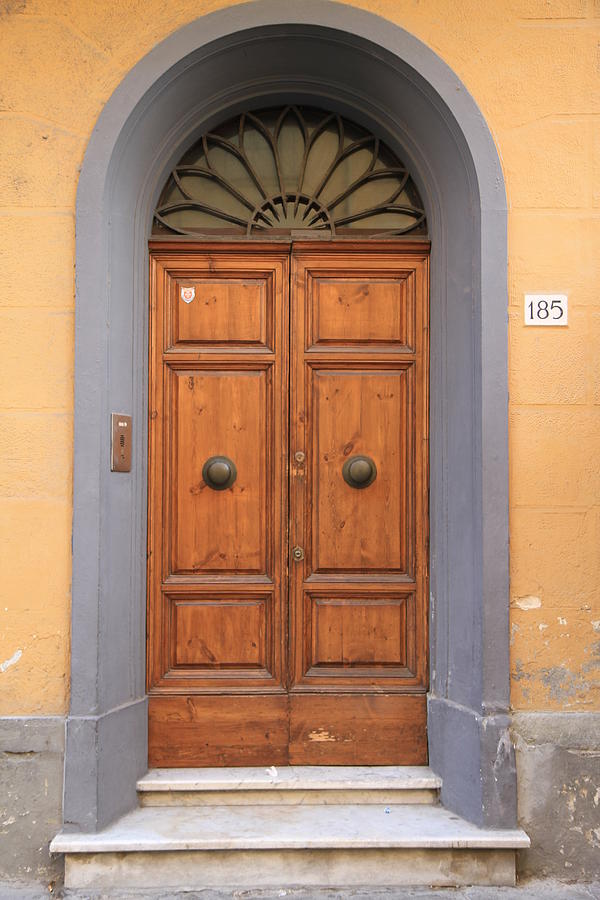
x=246 y=847
x=289 y=785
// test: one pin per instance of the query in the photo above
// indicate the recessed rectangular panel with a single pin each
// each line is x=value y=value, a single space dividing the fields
x=228 y=632
x=220 y=413
x=361 y=413
x=221 y=310
x=357 y=631
x=352 y=310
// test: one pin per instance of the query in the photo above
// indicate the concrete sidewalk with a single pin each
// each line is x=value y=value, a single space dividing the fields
x=531 y=890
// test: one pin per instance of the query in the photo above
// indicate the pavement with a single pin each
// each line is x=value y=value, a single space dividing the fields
x=530 y=890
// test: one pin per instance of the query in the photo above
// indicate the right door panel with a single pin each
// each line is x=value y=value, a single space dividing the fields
x=359 y=504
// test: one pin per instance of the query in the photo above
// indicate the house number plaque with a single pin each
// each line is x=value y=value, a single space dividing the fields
x=546 y=309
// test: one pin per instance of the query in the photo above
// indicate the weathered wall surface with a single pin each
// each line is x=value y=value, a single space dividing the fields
x=533 y=68
x=558 y=762
x=31 y=775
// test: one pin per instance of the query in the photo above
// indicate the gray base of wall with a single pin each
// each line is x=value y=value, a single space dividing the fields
x=558 y=769
x=31 y=776
x=475 y=758
x=106 y=754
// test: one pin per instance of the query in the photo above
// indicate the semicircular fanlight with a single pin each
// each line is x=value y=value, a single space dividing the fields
x=285 y=170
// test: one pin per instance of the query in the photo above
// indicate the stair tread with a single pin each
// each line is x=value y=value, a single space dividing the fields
x=290 y=827
x=291 y=778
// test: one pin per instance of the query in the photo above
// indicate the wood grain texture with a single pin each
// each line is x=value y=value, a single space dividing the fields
x=254 y=658
x=359 y=596
x=217 y=593
x=359 y=633
x=219 y=411
x=196 y=730
x=359 y=410
x=351 y=730
x=219 y=631
x=236 y=312
x=348 y=311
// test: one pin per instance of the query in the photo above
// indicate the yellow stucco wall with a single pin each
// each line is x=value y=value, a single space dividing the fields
x=533 y=66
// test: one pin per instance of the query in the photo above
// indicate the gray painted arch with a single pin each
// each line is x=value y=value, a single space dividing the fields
x=332 y=55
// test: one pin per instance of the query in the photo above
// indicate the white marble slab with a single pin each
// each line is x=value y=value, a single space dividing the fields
x=242 y=873
x=291 y=778
x=289 y=828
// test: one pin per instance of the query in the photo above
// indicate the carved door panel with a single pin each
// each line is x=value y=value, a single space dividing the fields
x=217 y=591
x=288 y=633
x=359 y=407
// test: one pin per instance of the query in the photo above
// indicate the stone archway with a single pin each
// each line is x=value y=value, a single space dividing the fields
x=277 y=51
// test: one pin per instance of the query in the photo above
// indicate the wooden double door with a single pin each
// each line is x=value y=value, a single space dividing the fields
x=288 y=549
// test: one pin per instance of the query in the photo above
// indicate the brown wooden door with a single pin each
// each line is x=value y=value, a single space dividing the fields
x=287 y=613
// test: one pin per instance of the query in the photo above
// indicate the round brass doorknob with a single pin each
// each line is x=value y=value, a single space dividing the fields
x=359 y=471
x=219 y=473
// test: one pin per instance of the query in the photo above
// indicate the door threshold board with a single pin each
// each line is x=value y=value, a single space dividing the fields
x=279 y=730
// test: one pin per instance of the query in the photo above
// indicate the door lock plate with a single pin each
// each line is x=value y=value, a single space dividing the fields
x=298 y=554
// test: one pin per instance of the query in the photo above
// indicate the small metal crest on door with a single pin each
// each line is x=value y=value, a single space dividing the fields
x=188 y=294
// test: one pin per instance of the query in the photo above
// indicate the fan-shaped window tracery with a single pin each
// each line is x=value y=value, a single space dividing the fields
x=291 y=169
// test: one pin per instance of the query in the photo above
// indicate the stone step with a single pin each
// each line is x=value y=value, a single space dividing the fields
x=289 y=785
x=246 y=847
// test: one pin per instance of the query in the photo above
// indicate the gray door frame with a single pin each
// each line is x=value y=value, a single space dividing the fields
x=335 y=56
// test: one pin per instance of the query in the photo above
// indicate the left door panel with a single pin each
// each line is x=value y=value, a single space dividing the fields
x=217 y=599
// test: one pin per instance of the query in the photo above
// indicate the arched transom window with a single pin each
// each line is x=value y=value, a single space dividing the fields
x=284 y=170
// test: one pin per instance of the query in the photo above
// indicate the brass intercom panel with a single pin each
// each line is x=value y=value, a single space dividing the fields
x=120 y=443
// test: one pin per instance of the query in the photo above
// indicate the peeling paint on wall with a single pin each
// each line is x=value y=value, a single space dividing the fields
x=556 y=662
x=529 y=602
x=14 y=659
